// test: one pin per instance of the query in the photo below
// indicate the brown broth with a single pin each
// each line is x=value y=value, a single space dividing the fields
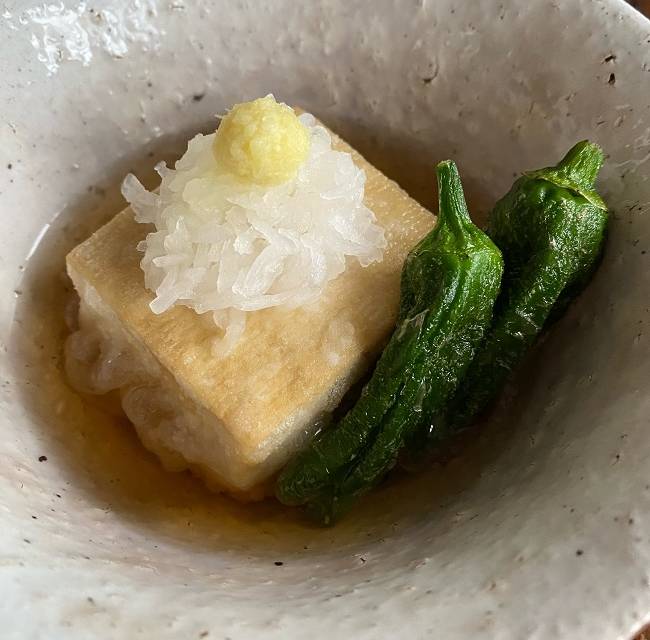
x=103 y=460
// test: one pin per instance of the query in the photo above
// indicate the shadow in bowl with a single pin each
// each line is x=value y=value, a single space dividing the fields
x=411 y=164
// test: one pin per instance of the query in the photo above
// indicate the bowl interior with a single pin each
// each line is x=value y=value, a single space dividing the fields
x=546 y=504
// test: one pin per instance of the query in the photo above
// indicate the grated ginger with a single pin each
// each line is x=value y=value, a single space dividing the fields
x=262 y=142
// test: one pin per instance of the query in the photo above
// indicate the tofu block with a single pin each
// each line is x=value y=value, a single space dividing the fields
x=237 y=420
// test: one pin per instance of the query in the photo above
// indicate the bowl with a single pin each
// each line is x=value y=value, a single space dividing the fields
x=539 y=529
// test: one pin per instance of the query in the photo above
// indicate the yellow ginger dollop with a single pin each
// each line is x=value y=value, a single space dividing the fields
x=262 y=142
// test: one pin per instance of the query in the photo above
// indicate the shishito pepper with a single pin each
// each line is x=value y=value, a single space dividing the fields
x=551 y=229
x=449 y=284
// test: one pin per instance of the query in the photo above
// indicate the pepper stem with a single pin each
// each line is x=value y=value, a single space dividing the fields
x=452 y=208
x=582 y=163
x=577 y=171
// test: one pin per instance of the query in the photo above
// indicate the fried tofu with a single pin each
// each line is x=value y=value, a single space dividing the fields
x=238 y=419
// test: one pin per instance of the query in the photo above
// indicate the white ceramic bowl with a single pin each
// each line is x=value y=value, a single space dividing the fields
x=540 y=530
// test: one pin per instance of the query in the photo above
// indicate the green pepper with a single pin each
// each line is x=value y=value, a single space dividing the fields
x=450 y=282
x=551 y=229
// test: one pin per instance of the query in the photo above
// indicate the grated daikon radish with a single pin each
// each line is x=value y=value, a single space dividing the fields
x=228 y=247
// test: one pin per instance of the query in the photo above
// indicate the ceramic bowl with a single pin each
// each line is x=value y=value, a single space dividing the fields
x=539 y=529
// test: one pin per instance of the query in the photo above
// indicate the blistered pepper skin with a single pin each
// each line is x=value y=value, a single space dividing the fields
x=551 y=229
x=450 y=282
